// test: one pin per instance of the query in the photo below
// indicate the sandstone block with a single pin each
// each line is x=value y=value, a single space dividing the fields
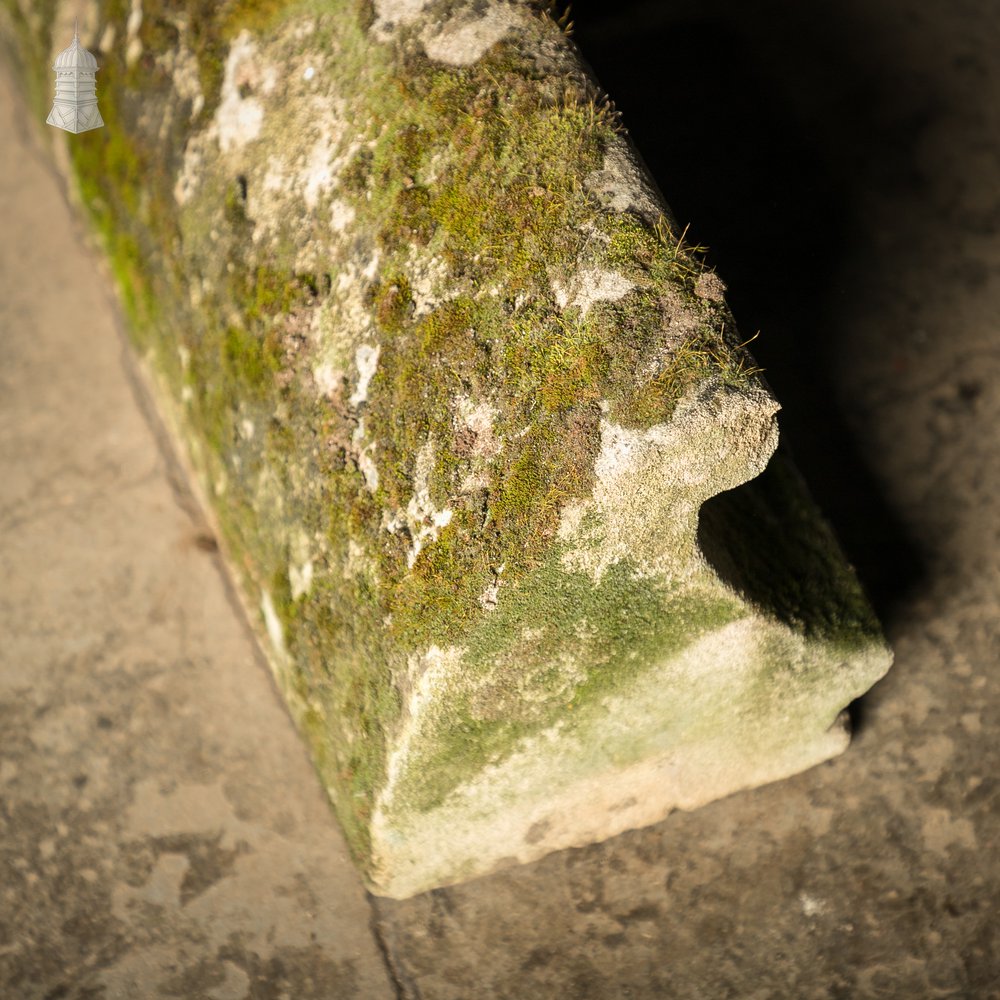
x=494 y=470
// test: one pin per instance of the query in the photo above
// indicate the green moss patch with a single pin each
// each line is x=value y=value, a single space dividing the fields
x=517 y=678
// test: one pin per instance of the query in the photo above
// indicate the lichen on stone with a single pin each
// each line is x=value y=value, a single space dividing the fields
x=459 y=392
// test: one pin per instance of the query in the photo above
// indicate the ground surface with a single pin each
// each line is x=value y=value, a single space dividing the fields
x=160 y=821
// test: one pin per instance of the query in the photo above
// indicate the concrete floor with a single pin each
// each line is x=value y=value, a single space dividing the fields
x=161 y=833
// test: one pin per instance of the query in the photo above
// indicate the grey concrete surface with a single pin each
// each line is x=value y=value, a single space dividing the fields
x=162 y=833
x=876 y=875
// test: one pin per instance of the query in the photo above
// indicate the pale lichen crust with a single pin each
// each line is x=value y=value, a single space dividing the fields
x=458 y=393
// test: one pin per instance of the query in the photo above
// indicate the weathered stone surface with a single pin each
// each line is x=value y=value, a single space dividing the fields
x=161 y=835
x=457 y=395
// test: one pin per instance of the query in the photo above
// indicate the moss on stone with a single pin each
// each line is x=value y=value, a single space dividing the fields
x=473 y=218
x=438 y=599
x=519 y=682
x=392 y=302
x=770 y=544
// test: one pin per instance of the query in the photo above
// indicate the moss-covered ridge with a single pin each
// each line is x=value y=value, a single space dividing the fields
x=397 y=274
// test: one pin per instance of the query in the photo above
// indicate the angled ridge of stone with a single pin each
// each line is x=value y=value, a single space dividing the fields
x=492 y=466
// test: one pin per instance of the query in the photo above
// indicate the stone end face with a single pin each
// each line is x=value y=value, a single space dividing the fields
x=626 y=678
x=495 y=473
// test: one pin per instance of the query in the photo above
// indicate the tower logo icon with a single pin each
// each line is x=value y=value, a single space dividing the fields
x=75 y=106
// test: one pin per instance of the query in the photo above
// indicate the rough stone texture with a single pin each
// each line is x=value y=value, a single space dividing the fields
x=162 y=833
x=457 y=393
x=867 y=135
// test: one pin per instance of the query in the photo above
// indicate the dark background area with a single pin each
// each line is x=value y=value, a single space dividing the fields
x=766 y=130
